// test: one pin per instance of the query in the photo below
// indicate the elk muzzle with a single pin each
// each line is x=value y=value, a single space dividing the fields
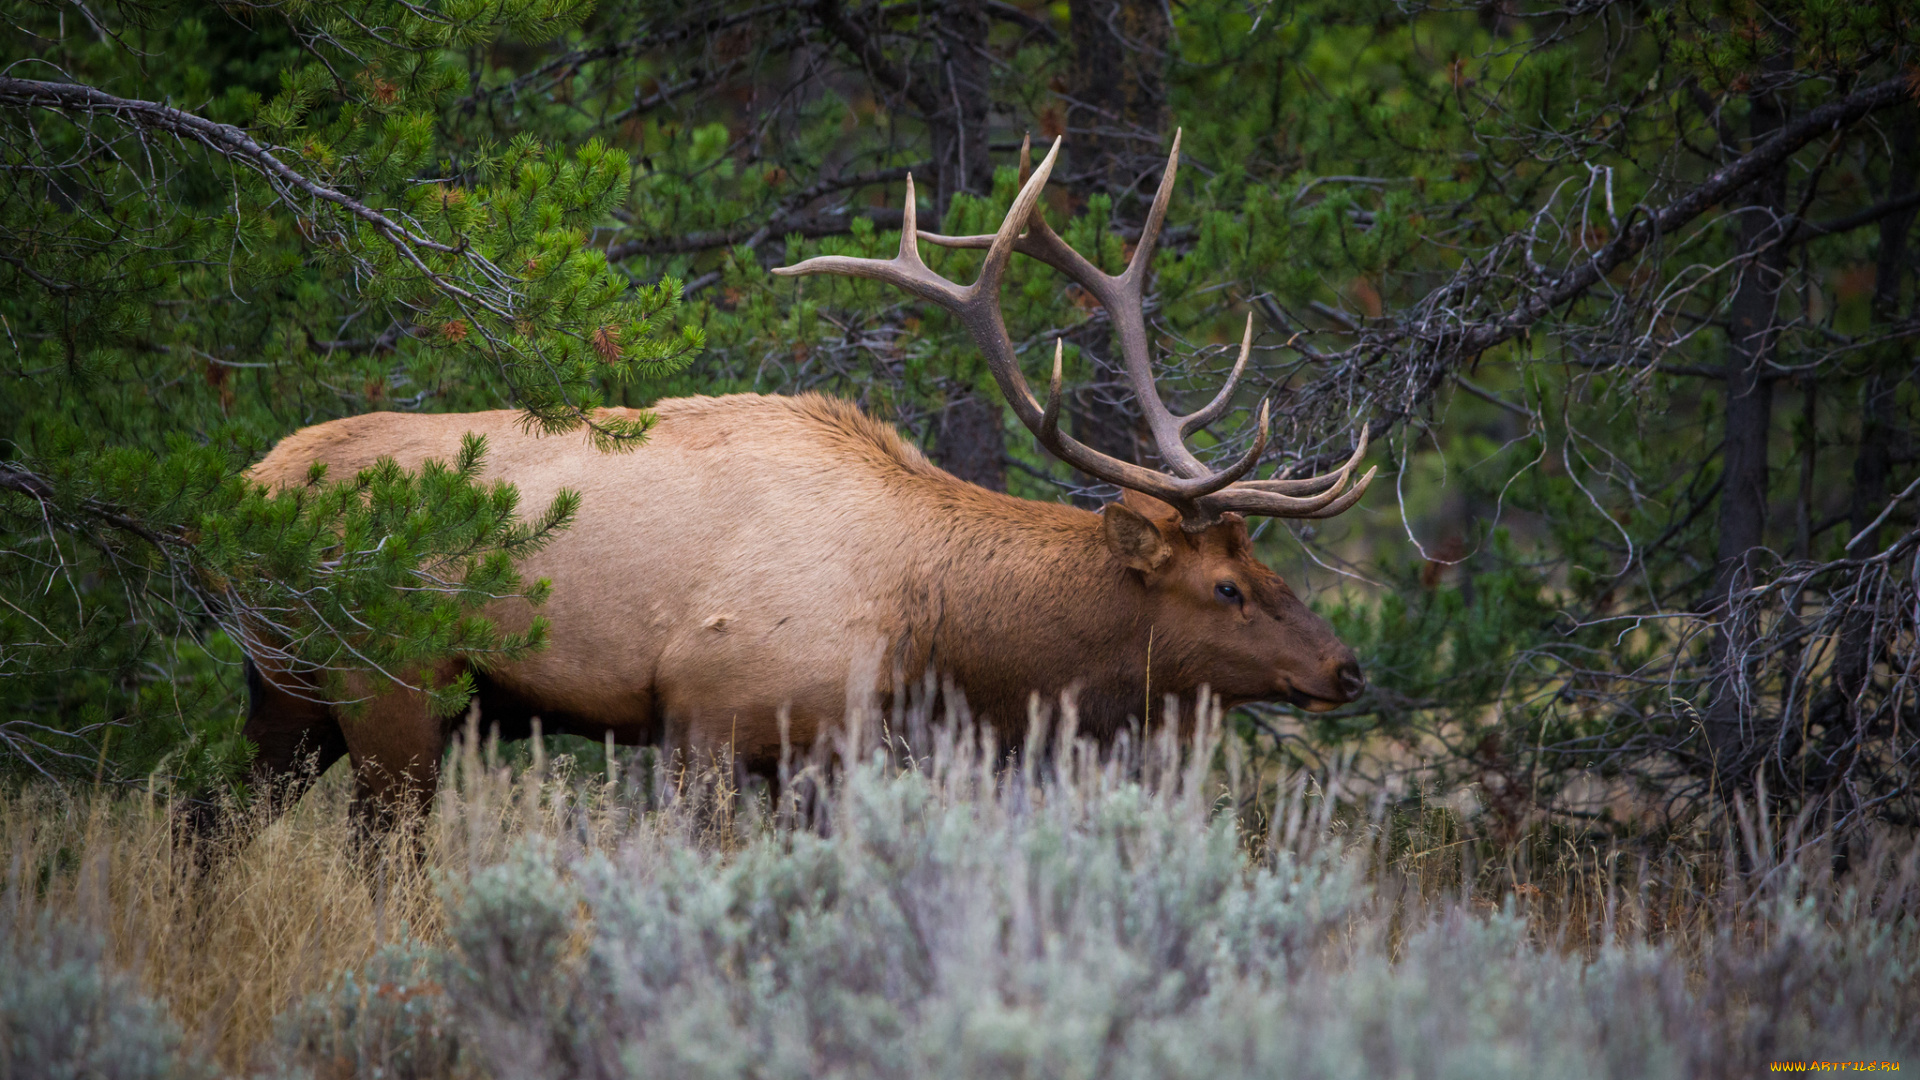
x=1340 y=681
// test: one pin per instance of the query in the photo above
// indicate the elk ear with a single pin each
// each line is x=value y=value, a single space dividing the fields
x=1136 y=540
x=1147 y=506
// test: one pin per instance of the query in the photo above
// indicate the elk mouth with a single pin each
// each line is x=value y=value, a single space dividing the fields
x=1347 y=684
x=1300 y=699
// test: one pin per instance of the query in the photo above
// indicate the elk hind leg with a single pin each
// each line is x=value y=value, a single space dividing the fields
x=295 y=737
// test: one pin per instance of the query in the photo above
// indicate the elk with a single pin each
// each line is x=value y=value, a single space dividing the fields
x=720 y=579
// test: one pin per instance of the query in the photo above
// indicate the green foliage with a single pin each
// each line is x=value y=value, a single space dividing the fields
x=170 y=307
x=385 y=571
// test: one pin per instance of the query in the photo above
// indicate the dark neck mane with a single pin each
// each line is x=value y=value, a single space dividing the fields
x=1029 y=599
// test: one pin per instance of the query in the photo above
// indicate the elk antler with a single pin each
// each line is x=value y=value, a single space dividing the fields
x=1200 y=493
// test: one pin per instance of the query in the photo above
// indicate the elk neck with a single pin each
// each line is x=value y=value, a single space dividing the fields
x=1025 y=596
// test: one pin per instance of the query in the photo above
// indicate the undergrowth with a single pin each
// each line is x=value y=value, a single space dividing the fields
x=1138 y=912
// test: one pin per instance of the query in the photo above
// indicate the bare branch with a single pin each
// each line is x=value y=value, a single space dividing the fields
x=781 y=222
x=1719 y=186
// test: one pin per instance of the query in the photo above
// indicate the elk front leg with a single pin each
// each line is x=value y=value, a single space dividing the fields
x=396 y=743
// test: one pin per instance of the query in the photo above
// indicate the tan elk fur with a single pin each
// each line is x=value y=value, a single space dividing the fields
x=755 y=550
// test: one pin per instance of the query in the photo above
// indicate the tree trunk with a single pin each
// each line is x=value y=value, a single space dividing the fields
x=949 y=91
x=1105 y=415
x=1117 y=88
x=970 y=441
x=959 y=126
x=1840 y=708
x=1873 y=465
x=1734 y=731
x=1115 y=117
x=944 y=80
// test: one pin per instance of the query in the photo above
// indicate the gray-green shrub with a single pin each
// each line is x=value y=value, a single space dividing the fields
x=1096 y=928
x=386 y=1020
x=952 y=920
x=67 y=1012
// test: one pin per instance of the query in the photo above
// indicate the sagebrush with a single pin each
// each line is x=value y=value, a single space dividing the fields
x=1090 y=914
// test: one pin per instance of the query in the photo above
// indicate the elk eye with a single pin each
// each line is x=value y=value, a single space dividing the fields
x=1228 y=592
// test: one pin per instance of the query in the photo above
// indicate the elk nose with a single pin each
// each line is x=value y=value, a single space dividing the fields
x=1350 y=681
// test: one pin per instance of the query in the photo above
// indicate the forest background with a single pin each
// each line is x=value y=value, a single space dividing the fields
x=1624 y=294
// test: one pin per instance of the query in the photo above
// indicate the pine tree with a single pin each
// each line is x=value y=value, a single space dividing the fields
x=221 y=224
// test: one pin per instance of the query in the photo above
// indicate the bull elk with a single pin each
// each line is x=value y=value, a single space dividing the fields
x=730 y=568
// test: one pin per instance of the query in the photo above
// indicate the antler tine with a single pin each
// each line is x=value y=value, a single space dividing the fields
x=978 y=307
x=1313 y=485
x=1123 y=297
x=1000 y=252
x=1194 y=421
x=1276 y=498
x=1188 y=495
x=1226 y=478
x=1038 y=240
x=1345 y=502
x=1025 y=229
x=1125 y=300
x=985 y=240
x=907 y=271
x=1156 y=216
x=1245 y=500
x=1050 y=417
x=910 y=228
x=904 y=270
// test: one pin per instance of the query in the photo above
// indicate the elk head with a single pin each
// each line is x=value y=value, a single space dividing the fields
x=1229 y=621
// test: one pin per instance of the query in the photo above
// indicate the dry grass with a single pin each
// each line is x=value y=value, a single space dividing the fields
x=292 y=910
x=288 y=911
